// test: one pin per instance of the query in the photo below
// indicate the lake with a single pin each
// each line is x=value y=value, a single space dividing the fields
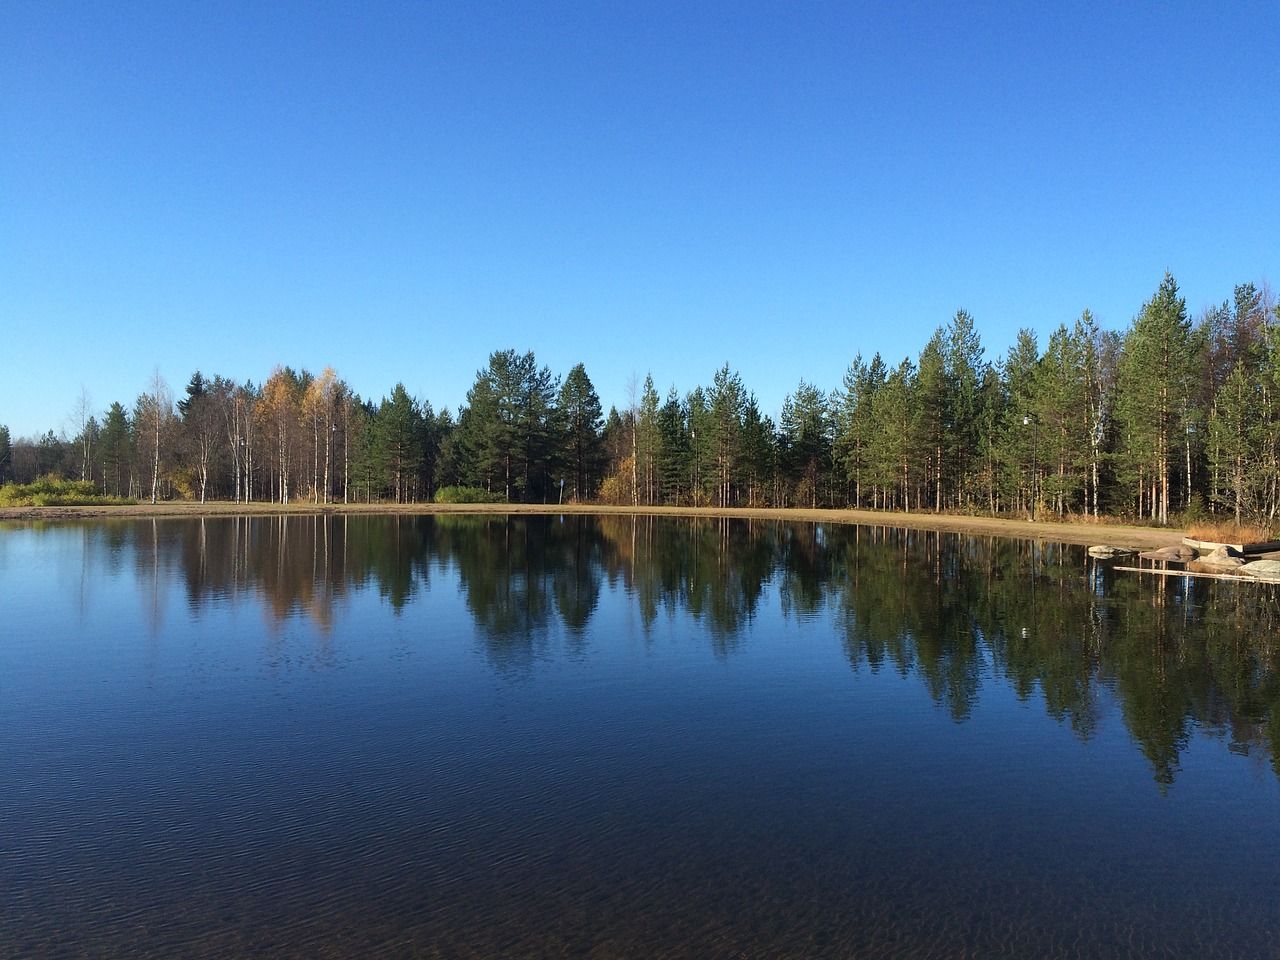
x=472 y=736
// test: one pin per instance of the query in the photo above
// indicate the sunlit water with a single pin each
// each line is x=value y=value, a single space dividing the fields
x=399 y=737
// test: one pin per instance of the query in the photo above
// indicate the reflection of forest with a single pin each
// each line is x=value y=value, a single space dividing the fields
x=951 y=610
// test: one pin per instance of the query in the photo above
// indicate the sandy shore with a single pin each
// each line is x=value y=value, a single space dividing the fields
x=1058 y=532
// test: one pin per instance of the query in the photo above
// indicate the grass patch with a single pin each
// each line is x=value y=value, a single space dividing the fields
x=50 y=491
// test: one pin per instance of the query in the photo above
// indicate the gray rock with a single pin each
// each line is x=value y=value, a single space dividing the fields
x=1221 y=563
x=1179 y=554
x=1263 y=569
x=1228 y=567
x=1104 y=552
x=1222 y=552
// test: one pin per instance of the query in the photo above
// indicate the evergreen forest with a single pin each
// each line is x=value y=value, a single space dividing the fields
x=1174 y=419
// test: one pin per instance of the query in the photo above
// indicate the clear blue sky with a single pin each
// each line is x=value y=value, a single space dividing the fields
x=396 y=190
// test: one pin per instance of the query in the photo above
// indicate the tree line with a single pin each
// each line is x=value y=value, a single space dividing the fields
x=1172 y=417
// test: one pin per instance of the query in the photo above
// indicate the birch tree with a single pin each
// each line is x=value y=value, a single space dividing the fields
x=153 y=418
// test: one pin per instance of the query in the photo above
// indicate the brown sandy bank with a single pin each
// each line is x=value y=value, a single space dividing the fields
x=1059 y=532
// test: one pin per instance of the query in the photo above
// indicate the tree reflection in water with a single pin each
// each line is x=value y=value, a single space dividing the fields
x=954 y=611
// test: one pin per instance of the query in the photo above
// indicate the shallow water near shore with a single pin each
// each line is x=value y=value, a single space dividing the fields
x=625 y=737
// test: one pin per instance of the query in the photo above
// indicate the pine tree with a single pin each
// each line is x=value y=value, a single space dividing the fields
x=806 y=426
x=758 y=460
x=894 y=441
x=1061 y=407
x=964 y=371
x=647 y=438
x=853 y=421
x=581 y=419
x=1156 y=378
x=1018 y=375
x=673 y=447
x=398 y=436
x=727 y=402
x=928 y=437
x=508 y=431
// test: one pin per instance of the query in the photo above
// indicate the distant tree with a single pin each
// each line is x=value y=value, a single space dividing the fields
x=806 y=427
x=1235 y=335
x=991 y=415
x=507 y=432
x=203 y=426
x=1234 y=448
x=6 y=455
x=759 y=458
x=398 y=434
x=24 y=464
x=851 y=410
x=964 y=372
x=1101 y=349
x=673 y=447
x=86 y=432
x=645 y=445
x=582 y=422
x=153 y=421
x=278 y=415
x=702 y=445
x=927 y=439
x=83 y=446
x=1156 y=377
x=895 y=415
x=615 y=438
x=360 y=453
x=1062 y=407
x=1018 y=376
x=319 y=410
x=116 y=446
x=238 y=427
x=49 y=454
x=445 y=472
x=727 y=402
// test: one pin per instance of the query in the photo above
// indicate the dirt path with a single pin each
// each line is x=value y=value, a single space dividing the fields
x=1081 y=532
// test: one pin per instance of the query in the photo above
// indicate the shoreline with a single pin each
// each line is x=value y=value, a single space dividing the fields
x=1057 y=531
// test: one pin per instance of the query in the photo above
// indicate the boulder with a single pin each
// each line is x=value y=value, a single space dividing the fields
x=1104 y=552
x=1178 y=554
x=1223 y=551
x=1226 y=567
x=1220 y=562
x=1263 y=569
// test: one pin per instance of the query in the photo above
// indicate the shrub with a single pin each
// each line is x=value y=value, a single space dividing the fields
x=466 y=495
x=52 y=491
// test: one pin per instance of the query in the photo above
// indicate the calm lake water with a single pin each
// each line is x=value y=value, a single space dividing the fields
x=546 y=737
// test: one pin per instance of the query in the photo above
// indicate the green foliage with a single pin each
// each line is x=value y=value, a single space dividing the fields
x=456 y=494
x=1196 y=512
x=52 y=491
x=507 y=435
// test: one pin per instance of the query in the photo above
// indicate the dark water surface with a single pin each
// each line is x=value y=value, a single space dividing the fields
x=546 y=737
